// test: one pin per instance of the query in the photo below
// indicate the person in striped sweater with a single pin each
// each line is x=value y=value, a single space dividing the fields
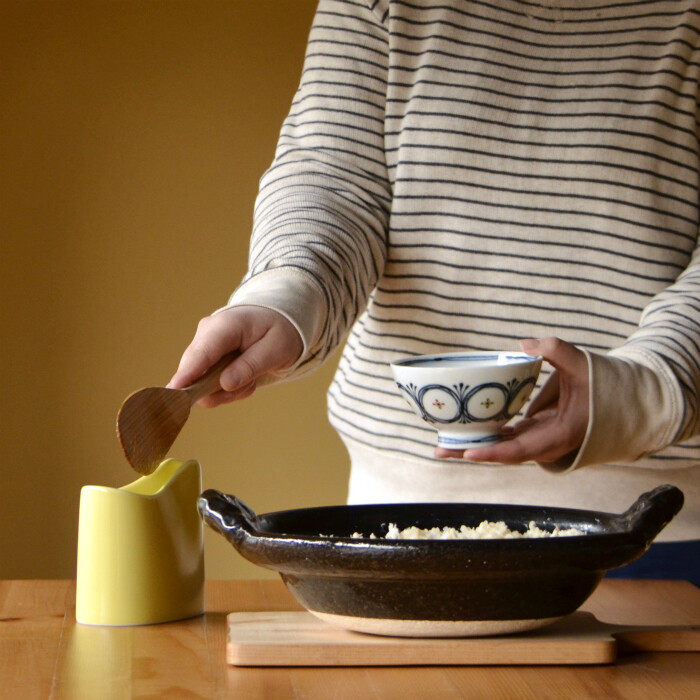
x=471 y=175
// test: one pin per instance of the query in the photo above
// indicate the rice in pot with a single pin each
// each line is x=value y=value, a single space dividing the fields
x=486 y=530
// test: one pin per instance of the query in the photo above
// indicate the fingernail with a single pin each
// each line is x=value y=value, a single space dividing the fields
x=231 y=383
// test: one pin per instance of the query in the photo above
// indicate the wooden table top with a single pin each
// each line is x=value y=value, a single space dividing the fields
x=45 y=654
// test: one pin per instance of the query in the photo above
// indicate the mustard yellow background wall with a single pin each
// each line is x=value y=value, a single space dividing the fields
x=132 y=137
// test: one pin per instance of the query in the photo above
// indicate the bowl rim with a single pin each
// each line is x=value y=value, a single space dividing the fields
x=514 y=358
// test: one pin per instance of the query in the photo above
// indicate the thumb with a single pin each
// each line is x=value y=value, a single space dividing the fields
x=565 y=357
x=570 y=365
x=547 y=396
x=271 y=353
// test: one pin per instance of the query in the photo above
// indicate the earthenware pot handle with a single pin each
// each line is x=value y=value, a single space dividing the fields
x=227 y=514
x=652 y=511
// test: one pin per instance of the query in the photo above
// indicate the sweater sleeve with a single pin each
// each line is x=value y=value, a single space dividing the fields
x=322 y=211
x=645 y=394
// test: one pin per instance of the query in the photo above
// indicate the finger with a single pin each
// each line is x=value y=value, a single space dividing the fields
x=505 y=452
x=211 y=342
x=547 y=396
x=274 y=351
x=445 y=453
x=563 y=356
x=219 y=398
x=510 y=431
x=540 y=441
x=570 y=370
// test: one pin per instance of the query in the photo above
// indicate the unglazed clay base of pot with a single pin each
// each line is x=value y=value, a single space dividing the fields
x=432 y=628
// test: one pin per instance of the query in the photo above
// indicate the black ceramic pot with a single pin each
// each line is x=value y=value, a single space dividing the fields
x=439 y=587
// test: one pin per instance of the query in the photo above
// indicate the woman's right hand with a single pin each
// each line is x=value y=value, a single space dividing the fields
x=266 y=340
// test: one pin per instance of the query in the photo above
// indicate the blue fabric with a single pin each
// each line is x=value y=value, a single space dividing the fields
x=665 y=560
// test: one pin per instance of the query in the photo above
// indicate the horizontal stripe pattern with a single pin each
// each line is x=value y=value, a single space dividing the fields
x=458 y=175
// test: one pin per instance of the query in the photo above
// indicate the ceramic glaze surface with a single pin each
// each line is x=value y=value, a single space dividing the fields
x=141 y=549
x=386 y=586
x=467 y=397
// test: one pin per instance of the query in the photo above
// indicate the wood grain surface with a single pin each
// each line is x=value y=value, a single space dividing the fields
x=295 y=638
x=45 y=654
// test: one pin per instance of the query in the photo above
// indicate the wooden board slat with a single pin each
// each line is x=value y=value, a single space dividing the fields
x=300 y=639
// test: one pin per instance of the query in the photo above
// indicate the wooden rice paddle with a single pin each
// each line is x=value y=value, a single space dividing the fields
x=150 y=419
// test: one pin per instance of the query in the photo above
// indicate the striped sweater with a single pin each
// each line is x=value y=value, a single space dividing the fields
x=457 y=175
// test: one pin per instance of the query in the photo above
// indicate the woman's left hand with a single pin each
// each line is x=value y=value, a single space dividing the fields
x=555 y=422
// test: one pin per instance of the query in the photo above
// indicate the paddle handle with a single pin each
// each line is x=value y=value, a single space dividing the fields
x=208 y=383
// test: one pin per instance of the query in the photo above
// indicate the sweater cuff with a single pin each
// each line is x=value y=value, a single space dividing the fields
x=290 y=292
x=635 y=409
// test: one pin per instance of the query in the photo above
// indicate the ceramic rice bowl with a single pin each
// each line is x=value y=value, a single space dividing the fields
x=467 y=396
x=439 y=588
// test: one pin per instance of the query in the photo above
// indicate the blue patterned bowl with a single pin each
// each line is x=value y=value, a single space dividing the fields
x=467 y=396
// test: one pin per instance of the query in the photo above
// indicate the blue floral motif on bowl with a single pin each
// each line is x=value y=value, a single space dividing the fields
x=462 y=403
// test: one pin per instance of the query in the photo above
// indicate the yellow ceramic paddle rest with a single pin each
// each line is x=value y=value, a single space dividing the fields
x=141 y=549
